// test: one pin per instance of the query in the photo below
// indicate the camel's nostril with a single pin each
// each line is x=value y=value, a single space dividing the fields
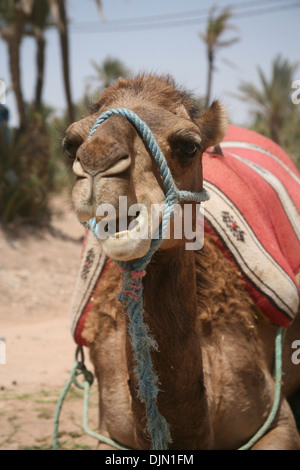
x=124 y=157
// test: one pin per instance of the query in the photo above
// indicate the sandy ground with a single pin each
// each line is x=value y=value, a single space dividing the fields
x=37 y=275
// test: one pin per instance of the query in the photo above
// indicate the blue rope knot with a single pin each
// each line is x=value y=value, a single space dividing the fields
x=132 y=288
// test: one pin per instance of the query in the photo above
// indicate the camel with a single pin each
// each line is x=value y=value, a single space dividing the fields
x=215 y=354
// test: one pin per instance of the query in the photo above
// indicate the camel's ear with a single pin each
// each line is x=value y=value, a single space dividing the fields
x=213 y=125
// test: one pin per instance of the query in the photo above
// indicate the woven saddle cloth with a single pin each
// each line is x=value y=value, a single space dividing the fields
x=254 y=211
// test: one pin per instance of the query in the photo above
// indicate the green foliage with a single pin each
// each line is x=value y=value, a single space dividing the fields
x=107 y=73
x=273 y=112
x=25 y=175
x=291 y=137
x=290 y=133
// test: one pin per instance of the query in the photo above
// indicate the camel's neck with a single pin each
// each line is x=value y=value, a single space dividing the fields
x=170 y=304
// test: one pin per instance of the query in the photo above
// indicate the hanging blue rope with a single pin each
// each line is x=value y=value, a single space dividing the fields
x=132 y=289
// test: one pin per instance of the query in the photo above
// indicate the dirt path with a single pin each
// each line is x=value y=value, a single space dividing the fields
x=37 y=275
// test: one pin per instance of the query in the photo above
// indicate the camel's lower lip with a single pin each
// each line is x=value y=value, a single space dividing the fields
x=125 y=250
x=128 y=244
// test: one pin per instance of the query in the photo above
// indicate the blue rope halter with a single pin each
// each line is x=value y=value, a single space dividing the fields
x=132 y=288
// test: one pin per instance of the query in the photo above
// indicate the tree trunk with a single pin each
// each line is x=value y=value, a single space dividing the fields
x=64 y=44
x=40 y=65
x=275 y=129
x=13 y=36
x=209 y=77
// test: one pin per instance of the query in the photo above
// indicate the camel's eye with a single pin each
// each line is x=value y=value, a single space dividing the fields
x=184 y=146
x=189 y=149
x=186 y=149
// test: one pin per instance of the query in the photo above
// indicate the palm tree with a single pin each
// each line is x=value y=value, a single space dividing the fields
x=272 y=98
x=109 y=71
x=19 y=17
x=217 y=26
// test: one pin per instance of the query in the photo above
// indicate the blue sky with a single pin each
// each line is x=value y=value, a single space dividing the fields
x=175 y=50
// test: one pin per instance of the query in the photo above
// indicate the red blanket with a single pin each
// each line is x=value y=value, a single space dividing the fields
x=254 y=210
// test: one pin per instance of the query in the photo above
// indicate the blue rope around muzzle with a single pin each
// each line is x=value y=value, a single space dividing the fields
x=132 y=289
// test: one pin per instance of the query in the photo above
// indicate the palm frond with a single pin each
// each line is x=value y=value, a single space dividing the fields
x=217 y=26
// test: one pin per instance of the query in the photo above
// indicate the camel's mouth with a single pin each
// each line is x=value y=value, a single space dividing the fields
x=127 y=238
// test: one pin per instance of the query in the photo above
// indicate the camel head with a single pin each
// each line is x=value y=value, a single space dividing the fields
x=115 y=163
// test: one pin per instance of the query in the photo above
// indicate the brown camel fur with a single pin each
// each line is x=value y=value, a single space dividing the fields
x=216 y=350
